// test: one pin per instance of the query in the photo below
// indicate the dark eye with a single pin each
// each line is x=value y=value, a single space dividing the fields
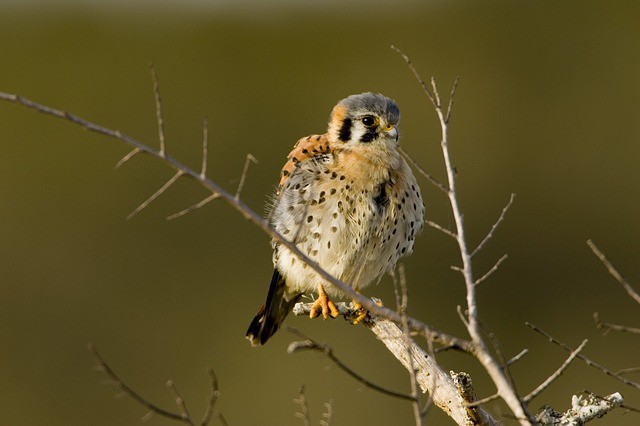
x=369 y=121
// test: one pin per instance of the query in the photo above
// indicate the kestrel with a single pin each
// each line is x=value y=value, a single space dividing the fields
x=349 y=201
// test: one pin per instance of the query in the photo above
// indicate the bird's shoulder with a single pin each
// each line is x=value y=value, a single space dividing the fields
x=309 y=147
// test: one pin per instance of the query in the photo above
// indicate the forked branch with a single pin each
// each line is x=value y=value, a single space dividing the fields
x=182 y=415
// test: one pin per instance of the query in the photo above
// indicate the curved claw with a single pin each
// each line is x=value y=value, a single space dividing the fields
x=361 y=313
x=323 y=305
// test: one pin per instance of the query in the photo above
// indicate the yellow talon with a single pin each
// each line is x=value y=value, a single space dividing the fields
x=323 y=305
x=360 y=311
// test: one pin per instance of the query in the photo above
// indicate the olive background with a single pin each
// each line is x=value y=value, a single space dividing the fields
x=548 y=108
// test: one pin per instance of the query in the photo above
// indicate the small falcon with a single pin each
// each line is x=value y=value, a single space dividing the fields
x=350 y=202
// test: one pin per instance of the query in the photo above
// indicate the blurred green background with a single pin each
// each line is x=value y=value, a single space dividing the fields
x=548 y=107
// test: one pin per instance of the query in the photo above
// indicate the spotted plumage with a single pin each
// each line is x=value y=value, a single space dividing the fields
x=349 y=201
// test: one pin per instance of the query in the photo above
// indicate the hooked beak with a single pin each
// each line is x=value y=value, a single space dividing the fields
x=392 y=133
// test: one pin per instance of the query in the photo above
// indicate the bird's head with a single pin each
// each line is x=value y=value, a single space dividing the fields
x=367 y=118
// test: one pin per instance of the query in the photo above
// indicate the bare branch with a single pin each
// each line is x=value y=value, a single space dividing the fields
x=301 y=400
x=127 y=157
x=613 y=271
x=492 y=270
x=104 y=367
x=452 y=96
x=194 y=207
x=518 y=357
x=402 y=301
x=415 y=73
x=628 y=370
x=607 y=327
x=213 y=398
x=250 y=159
x=327 y=416
x=182 y=406
x=422 y=171
x=159 y=118
x=484 y=400
x=441 y=386
x=583 y=409
x=156 y=194
x=504 y=365
x=481 y=352
x=583 y=358
x=436 y=95
x=556 y=374
x=495 y=226
x=205 y=148
x=442 y=229
x=246 y=212
x=310 y=344
x=182 y=415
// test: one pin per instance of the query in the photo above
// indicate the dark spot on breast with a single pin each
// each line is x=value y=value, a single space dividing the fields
x=381 y=200
x=309 y=218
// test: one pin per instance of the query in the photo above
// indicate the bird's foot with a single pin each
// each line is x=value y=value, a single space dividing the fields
x=323 y=305
x=360 y=312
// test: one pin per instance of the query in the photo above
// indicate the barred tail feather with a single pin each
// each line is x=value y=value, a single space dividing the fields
x=272 y=313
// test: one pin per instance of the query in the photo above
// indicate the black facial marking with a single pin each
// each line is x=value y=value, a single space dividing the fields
x=369 y=136
x=381 y=199
x=345 y=130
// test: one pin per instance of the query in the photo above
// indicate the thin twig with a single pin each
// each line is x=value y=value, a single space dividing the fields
x=518 y=357
x=484 y=400
x=495 y=226
x=442 y=229
x=301 y=400
x=452 y=96
x=213 y=397
x=482 y=353
x=556 y=374
x=327 y=416
x=613 y=271
x=250 y=158
x=400 y=287
x=607 y=327
x=500 y=355
x=628 y=370
x=182 y=406
x=415 y=73
x=159 y=118
x=582 y=357
x=183 y=414
x=205 y=147
x=492 y=270
x=194 y=207
x=422 y=171
x=127 y=157
x=101 y=365
x=156 y=194
x=310 y=344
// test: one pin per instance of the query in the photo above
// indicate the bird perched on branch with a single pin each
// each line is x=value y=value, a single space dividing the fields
x=350 y=202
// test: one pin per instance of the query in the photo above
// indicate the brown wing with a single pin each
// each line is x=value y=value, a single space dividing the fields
x=305 y=148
